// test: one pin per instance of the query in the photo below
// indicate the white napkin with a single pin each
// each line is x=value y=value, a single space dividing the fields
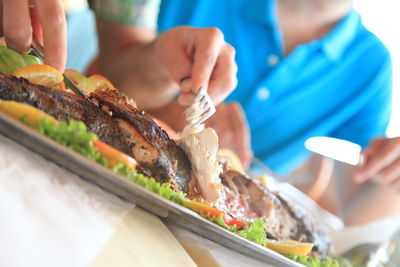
x=48 y=216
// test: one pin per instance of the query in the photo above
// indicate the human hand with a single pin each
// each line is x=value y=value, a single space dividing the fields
x=44 y=20
x=382 y=163
x=231 y=126
x=195 y=58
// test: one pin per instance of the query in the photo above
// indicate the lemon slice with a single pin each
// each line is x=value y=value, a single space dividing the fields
x=263 y=180
x=40 y=74
x=290 y=247
x=231 y=159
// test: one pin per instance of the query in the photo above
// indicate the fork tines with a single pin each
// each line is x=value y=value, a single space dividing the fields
x=201 y=109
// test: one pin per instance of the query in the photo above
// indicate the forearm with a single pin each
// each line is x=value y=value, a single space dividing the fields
x=126 y=58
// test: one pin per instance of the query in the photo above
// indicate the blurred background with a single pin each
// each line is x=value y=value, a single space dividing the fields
x=382 y=17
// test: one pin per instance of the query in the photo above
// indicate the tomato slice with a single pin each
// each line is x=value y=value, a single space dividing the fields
x=205 y=209
x=113 y=156
x=102 y=79
x=229 y=220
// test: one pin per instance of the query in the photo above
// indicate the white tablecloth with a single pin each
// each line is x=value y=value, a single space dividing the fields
x=50 y=217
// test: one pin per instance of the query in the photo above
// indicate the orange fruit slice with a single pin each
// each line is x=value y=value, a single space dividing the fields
x=20 y=110
x=40 y=74
x=290 y=247
x=113 y=156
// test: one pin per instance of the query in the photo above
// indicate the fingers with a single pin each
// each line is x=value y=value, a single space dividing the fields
x=52 y=18
x=223 y=79
x=208 y=44
x=17 y=25
x=171 y=53
x=222 y=83
x=390 y=174
x=200 y=54
x=1 y=21
x=383 y=154
x=37 y=32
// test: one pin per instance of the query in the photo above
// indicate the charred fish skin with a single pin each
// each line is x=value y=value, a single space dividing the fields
x=163 y=159
x=284 y=221
x=65 y=106
x=150 y=144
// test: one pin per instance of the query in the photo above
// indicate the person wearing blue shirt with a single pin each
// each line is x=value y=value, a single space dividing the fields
x=305 y=68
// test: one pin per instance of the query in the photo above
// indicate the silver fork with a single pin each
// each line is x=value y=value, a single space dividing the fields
x=200 y=110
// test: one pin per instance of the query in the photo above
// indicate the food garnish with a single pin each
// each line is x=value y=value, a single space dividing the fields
x=290 y=247
x=215 y=215
x=314 y=262
x=41 y=74
x=10 y=60
x=229 y=157
x=18 y=110
x=114 y=156
x=263 y=180
x=255 y=232
x=88 y=84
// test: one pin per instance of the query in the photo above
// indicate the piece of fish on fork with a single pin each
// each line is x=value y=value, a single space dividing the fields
x=201 y=146
x=200 y=110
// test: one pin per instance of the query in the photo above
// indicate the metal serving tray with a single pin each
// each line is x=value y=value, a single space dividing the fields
x=132 y=192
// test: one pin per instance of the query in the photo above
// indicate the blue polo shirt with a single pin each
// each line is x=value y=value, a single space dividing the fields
x=339 y=85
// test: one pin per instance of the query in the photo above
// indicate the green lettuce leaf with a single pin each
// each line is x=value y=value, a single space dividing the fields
x=165 y=190
x=314 y=262
x=10 y=60
x=255 y=232
x=72 y=134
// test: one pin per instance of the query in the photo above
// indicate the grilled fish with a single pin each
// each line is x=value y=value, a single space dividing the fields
x=122 y=126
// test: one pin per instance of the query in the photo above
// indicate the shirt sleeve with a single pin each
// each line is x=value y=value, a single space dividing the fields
x=373 y=117
x=131 y=12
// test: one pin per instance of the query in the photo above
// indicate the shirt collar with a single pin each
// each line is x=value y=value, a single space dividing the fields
x=335 y=43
